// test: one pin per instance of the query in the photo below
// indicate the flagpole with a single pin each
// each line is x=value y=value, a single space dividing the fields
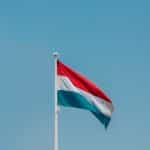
x=55 y=55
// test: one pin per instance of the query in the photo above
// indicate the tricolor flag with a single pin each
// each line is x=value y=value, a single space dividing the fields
x=74 y=90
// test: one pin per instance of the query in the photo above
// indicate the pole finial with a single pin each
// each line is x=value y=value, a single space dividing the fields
x=55 y=54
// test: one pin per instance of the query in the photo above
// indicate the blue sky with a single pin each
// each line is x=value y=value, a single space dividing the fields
x=108 y=41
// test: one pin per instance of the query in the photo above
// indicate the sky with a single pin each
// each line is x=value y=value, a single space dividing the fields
x=107 y=41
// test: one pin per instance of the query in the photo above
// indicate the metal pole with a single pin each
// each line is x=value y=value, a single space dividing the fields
x=55 y=55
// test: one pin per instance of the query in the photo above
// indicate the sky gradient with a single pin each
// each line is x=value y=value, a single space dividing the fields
x=108 y=41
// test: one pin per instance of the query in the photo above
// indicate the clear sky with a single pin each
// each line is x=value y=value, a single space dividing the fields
x=108 y=41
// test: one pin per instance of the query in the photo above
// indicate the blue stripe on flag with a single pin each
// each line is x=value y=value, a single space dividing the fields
x=73 y=99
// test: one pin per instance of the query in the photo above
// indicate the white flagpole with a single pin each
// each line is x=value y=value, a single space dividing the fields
x=55 y=55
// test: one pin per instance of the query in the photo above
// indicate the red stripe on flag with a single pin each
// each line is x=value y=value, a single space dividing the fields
x=80 y=81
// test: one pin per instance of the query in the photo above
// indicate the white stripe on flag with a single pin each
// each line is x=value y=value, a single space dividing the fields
x=65 y=84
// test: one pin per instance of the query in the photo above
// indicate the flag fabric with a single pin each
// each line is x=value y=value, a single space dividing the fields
x=74 y=90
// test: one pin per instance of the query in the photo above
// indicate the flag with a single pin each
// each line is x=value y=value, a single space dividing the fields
x=74 y=90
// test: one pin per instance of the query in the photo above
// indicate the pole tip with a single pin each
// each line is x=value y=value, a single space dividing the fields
x=55 y=54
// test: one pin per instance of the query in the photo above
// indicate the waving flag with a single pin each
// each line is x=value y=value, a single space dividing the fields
x=74 y=90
